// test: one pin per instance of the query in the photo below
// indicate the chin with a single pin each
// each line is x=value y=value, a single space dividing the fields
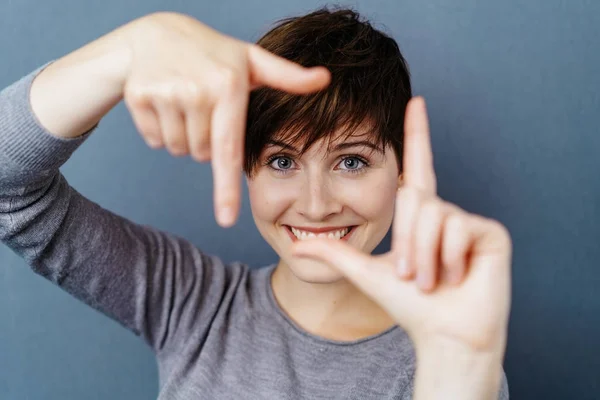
x=310 y=271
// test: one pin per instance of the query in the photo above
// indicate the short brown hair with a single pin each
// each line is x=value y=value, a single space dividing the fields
x=370 y=83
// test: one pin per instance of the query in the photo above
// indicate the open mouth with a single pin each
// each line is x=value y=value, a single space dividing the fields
x=338 y=233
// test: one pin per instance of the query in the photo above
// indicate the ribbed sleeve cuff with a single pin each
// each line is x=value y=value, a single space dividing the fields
x=23 y=140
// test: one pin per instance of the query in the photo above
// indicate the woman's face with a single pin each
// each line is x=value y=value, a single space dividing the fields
x=348 y=194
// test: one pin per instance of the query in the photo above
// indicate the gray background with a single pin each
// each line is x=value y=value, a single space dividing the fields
x=513 y=94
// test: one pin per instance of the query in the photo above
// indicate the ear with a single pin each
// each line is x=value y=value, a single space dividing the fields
x=400 y=180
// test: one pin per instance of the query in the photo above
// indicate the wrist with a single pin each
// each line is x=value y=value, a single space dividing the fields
x=109 y=58
x=74 y=92
x=447 y=369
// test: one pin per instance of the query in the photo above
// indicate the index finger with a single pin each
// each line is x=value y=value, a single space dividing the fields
x=279 y=73
x=228 y=127
x=354 y=264
x=418 y=168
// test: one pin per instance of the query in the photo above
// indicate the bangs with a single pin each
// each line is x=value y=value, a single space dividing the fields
x=367 y=95
x=331 y=116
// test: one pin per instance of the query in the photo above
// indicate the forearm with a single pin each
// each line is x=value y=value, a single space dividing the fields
x=132 y=273
x=73 y=93
x=446 y=370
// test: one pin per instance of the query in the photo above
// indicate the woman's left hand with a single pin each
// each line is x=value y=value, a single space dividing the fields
x=447 y=276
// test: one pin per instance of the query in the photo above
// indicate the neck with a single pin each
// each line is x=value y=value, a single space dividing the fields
x=337 y=310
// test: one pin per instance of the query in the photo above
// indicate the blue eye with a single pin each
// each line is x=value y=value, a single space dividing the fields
x=352 y=164
x=281 y=163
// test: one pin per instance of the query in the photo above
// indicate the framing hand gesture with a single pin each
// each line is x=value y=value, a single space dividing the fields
x=448 y=273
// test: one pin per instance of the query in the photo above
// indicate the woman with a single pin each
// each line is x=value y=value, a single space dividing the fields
x=328 y=172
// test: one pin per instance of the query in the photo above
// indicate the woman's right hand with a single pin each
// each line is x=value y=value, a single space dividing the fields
x=187 y=88
x=185 y=85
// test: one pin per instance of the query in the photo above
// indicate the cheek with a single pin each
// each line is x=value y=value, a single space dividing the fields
x=373 y=198
x=269 y=198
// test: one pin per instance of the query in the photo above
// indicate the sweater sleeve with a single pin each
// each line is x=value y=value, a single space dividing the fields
x=157 y=285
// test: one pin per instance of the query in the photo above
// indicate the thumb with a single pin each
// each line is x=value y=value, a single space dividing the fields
x=358 y=267
x=267 y=69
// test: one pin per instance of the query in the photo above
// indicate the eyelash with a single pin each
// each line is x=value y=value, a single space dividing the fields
x=285 y=171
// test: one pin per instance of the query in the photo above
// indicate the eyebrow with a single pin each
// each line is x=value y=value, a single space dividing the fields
x=338 y=147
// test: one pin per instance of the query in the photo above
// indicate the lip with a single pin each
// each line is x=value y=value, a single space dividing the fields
x=288 y=228
x=320 y=230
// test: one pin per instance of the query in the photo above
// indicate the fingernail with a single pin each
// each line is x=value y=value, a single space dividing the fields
x=154 y=143
x=226 y=217
x=403 y=267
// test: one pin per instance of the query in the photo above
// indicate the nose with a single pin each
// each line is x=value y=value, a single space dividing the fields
x=317 y=200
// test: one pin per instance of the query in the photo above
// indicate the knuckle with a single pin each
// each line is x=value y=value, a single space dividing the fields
x=451 y=208
x=178 y=152
x=152 y=140
x=201 y=154
x=192 y=95
x=147 y=126
x=201 y=140
x=201 y=157
x=175 y=151
x=502 y=231
x=201 y=149
x=229 y=79
x=165 y=92
x=497 y=225
x=432 y=209
x=175 y=145
x=456 y=223
x=135 y=96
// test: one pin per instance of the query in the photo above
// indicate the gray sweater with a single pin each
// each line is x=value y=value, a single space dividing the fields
x=217 y=330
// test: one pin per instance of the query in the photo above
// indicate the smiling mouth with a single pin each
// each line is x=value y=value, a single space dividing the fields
x=334 y=233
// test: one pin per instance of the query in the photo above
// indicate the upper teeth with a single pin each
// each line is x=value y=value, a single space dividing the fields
x=331 y=234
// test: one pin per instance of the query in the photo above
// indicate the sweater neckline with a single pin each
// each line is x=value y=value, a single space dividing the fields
x=297 y=329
